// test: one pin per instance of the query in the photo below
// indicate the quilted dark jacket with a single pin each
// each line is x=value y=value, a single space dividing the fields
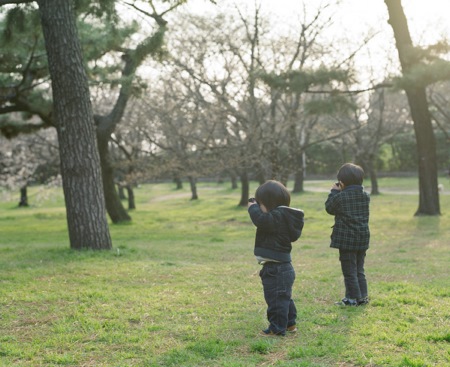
x=275 y=231
x=350 y=208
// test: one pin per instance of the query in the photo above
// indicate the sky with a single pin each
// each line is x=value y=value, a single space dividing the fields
x=430 y=16
x=428 y=21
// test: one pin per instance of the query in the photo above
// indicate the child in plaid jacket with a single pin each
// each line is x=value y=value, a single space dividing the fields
x=349 y=204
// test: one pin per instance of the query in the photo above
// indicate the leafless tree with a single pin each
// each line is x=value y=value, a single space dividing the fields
x=378 y=119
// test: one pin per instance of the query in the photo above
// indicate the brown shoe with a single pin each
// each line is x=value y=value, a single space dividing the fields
x=292 y=329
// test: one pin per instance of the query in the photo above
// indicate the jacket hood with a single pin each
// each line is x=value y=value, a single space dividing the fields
x=295 y=220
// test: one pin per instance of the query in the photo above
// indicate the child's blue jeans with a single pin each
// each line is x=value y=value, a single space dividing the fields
x=277 y=280
x=352 y=264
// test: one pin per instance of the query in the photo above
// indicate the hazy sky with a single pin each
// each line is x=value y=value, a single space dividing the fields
x=428 y=20
x=424 y=16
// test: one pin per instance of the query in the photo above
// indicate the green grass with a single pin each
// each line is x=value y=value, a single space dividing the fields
x=181 y=286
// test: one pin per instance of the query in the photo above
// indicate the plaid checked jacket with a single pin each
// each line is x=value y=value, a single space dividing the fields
x=350 y=208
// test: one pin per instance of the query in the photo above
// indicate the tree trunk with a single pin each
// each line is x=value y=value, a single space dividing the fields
x=73 y=116
x=114 y=206
x=366 y=162
x=131 y=202
x=373 y=179
x=245 y=189
x=299 y=175
x=178 y=182
x=298 y=181
x=193 y=183
x=426 y=152
x=121 y=192
x=426 y=143
x=23 y=196
x=233 y=178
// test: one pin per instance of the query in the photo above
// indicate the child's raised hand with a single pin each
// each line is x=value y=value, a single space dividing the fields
x=251 y=201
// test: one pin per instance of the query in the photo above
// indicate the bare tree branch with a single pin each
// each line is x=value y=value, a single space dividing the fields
x=158 y=17
x=355 y=91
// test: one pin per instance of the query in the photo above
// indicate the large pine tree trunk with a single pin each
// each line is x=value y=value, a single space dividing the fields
x=426 y=143
x=73 y=116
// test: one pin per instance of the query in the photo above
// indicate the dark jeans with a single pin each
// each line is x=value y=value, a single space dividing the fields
x=277 y=280
x=352 y=264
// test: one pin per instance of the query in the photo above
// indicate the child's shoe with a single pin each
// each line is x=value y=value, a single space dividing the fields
x=363 y=301
x=292 y=329
x=347 y=302
x=269 y=332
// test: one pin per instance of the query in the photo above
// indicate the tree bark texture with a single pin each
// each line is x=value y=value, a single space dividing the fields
x=73 y=116
x=423 y=128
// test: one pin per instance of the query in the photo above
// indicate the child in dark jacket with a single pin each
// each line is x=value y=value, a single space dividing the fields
x=349 y=204
x=277 y=226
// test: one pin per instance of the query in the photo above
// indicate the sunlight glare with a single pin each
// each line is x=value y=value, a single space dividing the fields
x=428 y=17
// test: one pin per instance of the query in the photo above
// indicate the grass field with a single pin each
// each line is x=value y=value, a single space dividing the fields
x=181 y=286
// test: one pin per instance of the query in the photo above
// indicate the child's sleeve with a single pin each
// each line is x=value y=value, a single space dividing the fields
x=333 y=203
x=261 y=220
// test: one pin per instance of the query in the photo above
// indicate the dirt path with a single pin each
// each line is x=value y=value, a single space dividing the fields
x=312 y=186
x=315 y=186
x=182 y=195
